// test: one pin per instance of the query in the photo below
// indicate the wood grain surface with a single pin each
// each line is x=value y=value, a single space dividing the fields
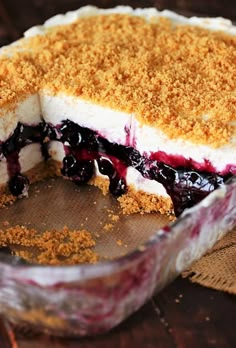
x=183 y=315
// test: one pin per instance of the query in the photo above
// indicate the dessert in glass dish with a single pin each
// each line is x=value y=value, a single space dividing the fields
x=140 y=103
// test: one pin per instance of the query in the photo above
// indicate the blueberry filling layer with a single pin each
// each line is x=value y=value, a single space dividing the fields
x=83 y=147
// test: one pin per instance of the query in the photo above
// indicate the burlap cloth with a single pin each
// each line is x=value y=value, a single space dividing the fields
x=217 y=269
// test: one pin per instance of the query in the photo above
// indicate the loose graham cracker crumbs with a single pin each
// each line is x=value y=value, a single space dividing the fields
x=53 y=247
x=108 y=227
x=119 y=242
x=6 y=197
x=114 y=217
x=181 y=79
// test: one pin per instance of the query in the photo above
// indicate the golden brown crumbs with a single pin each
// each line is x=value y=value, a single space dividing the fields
x=115 y=218
x=6 y=198
x=141 y=202
x=101 y=183
x=108 y=227
x=181 y=79
x=119 y=242
x=137 y=201
x=63 y=247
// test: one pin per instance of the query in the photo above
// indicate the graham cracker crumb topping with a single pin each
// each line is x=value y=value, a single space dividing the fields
x=180 y=79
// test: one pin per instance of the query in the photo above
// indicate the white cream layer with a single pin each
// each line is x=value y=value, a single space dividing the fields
x=218 y=23
x=29 y=157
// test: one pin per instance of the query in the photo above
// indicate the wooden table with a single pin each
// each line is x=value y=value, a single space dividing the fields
x=183 y=315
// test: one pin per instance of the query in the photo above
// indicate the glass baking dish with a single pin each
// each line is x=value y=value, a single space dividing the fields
x=90 y=299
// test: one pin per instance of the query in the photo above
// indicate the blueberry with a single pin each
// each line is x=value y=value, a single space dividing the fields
x=89 y=140
x=9 y=146
x=167 y=173
x=113 y=149
x=106 y=167
x=80 y=171
x=70 y=166
x=48 y=131
x=194 y=177
x=190 y=187
x=19 y=185
x=85 y=171
x=134 y=156
x=117 y=186
x=70 y=133
x=23 y=135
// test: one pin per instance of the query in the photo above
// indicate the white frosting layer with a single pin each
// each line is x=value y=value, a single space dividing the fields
x=56 y=151
x=109 y=123
x=147 y=13
x=141 y=184
x=29 y=157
